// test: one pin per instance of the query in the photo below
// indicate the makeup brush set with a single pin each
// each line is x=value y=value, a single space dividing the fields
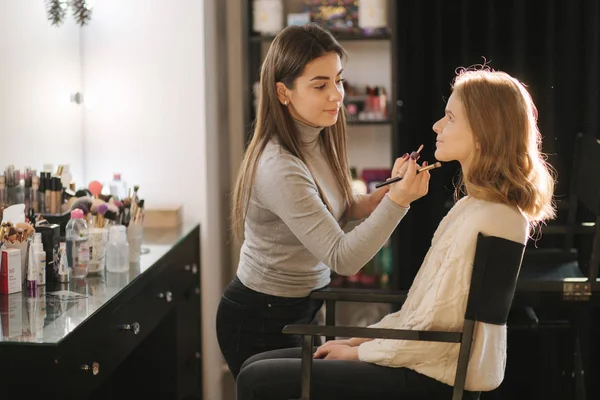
x=102 y=211
x=415 y=155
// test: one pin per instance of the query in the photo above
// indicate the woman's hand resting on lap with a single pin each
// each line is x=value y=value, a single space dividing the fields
x=337 y=352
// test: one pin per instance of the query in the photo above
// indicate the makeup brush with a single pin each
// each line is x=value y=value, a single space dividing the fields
x=398 y=178
x=417 y=153
x=95 y=188
x=101 y=212
x=111 y=215
x=83 y=203
x=139 y=214
x=95 y=203
x=28 y=229
x=113 y=209
x=105 y=197
x=82 y=193
x=134 y=202
x=121 y=206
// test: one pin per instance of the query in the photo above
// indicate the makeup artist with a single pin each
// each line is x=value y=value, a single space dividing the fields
x=293 y=198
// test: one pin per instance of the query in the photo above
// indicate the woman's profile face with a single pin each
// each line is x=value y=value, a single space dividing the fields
x=454 y=135
x=318 y=93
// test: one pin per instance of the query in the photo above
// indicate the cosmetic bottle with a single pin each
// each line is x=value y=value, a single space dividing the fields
x=35 y=196
x=66 y=176
x=63 y=264
x=358 y=185
x=78 y=252
x=118 y=188
x=48 y=193
x=42 y=193
x=32 y=275
x=2 y=191
x=117 y=250
x=57 y=195
x=39 y=256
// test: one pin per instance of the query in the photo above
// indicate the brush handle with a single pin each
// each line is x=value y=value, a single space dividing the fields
x=393 y=180
x=399 y=178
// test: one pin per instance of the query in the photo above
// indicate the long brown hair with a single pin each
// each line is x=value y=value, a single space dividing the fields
x=288 y=55
x=508 y=166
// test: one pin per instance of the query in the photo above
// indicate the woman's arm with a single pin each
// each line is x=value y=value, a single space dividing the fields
x=355 y=341
x=364 y=204
x=283 y=185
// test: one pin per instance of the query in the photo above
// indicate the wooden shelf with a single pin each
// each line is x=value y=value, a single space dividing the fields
x=341 y=36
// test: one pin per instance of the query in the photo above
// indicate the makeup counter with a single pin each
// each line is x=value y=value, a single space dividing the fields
x=126 y=332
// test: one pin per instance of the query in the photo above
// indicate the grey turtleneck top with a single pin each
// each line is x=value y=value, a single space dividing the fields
x=291 y=239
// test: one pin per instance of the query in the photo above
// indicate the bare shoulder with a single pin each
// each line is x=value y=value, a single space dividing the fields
x=503 y=221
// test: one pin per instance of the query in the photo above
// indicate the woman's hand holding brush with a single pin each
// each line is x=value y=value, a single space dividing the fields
x=412 y=186
x=400 y=174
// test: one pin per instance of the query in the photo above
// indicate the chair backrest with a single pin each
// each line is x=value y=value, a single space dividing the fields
x=587 y=190
x=496 y=269
x=494 y=278
x=566 y=227
x=587 y=173
x=584 y=190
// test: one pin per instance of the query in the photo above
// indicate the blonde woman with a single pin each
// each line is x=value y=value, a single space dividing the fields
x=293 y=195
x=490 y=127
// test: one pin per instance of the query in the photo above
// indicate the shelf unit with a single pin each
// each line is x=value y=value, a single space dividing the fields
x=341 y=36
x=371 y=138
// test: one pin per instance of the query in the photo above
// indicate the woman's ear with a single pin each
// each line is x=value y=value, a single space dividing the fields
x=282 y=93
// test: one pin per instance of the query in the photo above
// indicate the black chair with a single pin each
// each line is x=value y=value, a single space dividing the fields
x=493 y=280
x=545 y=269
x=554 y=277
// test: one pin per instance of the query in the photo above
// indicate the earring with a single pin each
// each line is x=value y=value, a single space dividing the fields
x=285 y=103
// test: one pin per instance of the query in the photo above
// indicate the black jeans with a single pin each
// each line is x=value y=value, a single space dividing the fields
x=249 y=322
x=275 y=375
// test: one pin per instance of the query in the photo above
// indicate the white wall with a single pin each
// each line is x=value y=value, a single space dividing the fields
x=152 y=113
x=39 y=69
x=143 y=83
x=216 y=173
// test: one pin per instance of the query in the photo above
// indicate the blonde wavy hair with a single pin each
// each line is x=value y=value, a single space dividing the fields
x=509 y=166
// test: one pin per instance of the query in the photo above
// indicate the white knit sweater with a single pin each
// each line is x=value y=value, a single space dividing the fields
x=438 y=296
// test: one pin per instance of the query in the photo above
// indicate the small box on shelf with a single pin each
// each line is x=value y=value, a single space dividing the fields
x=166 y=216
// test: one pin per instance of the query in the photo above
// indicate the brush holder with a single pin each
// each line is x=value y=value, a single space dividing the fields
x=135 y=234
x=97 y=240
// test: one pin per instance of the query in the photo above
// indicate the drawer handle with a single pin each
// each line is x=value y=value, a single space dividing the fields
x=95 y=368
x=134 y=328
x=168 y=296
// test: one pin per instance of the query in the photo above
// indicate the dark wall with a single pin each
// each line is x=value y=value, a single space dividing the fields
x=553 y=47
x=550 y=45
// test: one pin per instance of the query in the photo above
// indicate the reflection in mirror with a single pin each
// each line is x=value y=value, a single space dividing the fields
x=39 y=73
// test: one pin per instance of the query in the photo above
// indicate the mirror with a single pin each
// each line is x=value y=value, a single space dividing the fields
x=39 y=73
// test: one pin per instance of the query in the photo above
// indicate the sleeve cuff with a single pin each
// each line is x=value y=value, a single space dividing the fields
x=367 y=353
x=396 y=207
